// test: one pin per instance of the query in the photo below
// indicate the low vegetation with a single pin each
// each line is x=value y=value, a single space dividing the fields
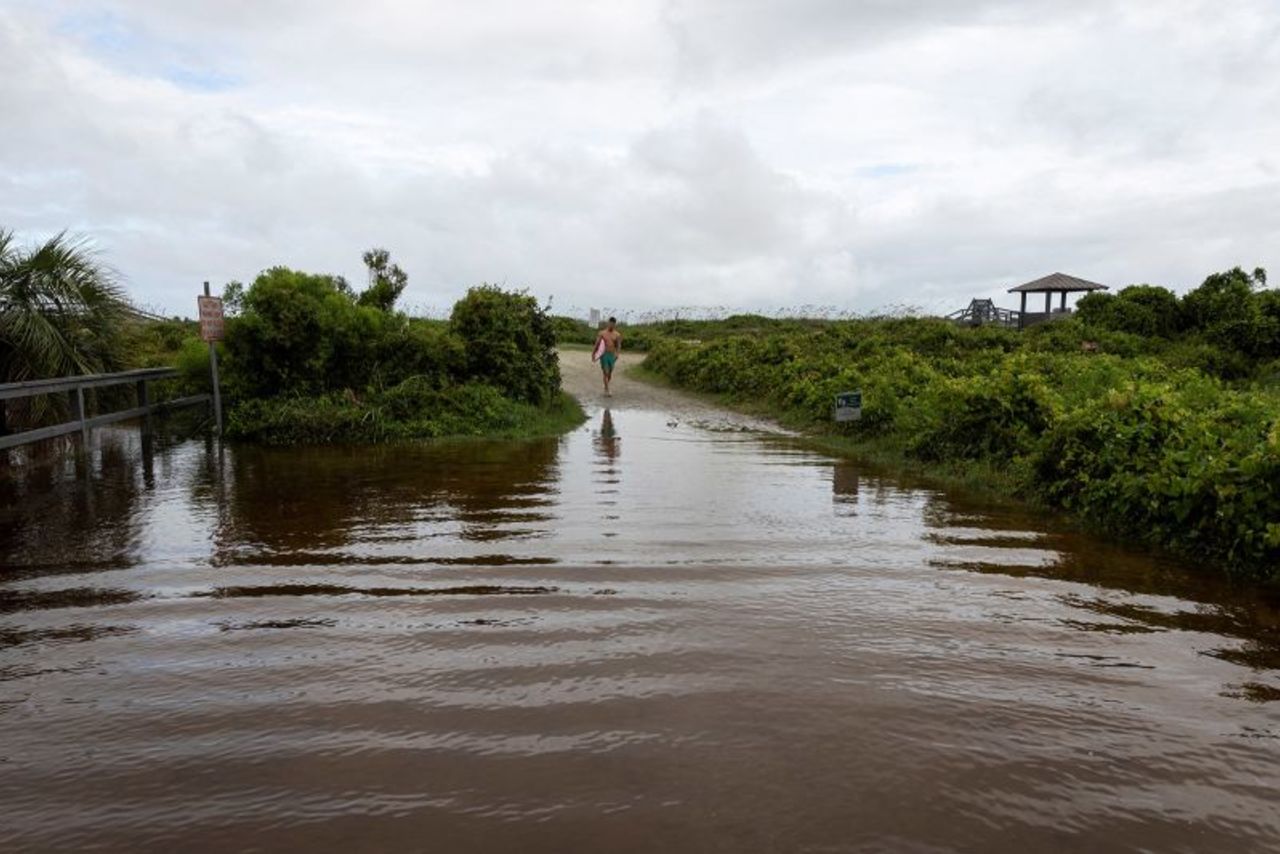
x=309 y=360
x=1154 y=417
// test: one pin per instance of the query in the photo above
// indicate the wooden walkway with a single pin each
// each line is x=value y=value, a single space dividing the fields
x=981 y=312
x=74 y=388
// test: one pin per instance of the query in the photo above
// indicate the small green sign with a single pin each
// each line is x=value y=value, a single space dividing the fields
x=849 y=406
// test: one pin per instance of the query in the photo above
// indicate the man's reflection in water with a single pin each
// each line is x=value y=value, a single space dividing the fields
x=606 y=440
x=607 y=480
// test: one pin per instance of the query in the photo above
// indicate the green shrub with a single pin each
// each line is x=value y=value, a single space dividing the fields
x=1212 y=359
x=192 y=362
x=410 y=410
x=418 y=349
x=1181 y=463
x=151 y=343
x=1147 y=310
x=570 y=330
x=1000 y=416
x=510 y=343
x=1230 y=315
x=309 y=361
x=300 y=334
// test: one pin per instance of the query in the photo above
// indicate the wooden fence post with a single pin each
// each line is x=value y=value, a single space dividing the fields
x=144 y=400
x=75 y=398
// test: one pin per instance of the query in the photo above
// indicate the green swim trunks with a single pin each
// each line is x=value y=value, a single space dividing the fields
x=607 y=361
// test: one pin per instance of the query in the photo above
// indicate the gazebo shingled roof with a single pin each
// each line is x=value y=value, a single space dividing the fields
x=1057 y=283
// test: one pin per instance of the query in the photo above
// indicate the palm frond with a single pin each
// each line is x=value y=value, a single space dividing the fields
x=60 y=309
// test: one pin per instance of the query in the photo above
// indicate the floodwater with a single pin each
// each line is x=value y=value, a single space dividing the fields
x=654 y=634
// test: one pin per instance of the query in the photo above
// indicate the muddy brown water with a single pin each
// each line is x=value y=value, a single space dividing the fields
x=666 y=631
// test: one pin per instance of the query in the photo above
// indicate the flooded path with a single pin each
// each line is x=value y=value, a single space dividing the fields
x=666 y=631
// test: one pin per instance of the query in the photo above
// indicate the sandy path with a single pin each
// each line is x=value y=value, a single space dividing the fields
x=581 y=378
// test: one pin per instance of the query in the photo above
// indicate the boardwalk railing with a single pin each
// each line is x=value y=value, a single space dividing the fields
x=74 y=388
x=981 y=312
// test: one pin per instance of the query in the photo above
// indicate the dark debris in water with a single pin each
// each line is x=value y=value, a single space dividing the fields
x=1109 y=628
x=340 y=590
x=1103 y=660
x=278 y=624
x=1255 y=656
x=1255 y=692
x=18 y=637
x=304 y=558
x=13 y=601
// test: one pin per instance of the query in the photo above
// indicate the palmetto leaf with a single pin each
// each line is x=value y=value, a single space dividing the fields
x=60 y=310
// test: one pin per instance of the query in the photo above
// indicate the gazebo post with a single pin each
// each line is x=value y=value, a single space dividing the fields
x=1022 y=313
x=1064 y=301
x=1048 y=304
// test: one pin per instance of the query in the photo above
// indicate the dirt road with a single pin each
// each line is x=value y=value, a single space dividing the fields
x=581 y=378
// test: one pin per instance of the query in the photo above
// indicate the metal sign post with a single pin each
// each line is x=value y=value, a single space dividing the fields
x=211 y=330
x=849 y=406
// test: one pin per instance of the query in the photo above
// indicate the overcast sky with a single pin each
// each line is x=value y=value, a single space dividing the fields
x=637 y=154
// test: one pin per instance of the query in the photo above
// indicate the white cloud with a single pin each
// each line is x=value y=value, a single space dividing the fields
x=641 y=153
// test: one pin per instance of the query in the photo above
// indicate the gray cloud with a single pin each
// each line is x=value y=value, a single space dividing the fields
x=754 y=36
x=640 y=153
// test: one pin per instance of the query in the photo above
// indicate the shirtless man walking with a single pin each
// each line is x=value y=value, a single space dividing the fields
x=612 y=340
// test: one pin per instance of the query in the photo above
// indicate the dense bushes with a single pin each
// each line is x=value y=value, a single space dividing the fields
x=410 y=410
x=1126 y=438
x=570 y=330
x=1230 y=312
x=509 y=343
x=1140 y=309
x=308 y=360
x=1178 y=461
x=300 y=334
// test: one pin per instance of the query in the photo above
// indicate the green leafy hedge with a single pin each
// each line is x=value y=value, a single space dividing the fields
x=307 y=360
x=411 y=410
x=1141 y=446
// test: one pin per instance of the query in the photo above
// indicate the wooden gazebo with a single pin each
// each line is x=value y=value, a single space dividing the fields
x=1054 y=283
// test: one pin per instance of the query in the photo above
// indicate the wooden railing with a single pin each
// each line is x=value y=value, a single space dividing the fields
x=982 y=312
x=74 y=388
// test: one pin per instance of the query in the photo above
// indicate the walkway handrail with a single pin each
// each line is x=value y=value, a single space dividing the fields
x=29 y=388
x=81 y=421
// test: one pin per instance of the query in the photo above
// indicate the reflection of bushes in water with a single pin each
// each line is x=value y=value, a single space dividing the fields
x=314 y=497
x=1142 y=447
